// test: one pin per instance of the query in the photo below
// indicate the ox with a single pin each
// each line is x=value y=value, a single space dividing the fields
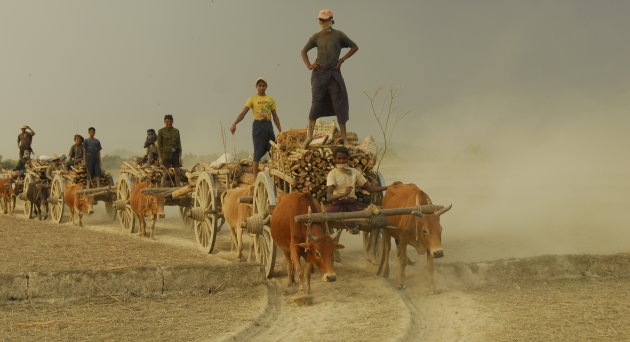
x=37 y=194
x=423 y=233
x=144 y=205
x=77 y=203
x=7 y=195
x=235 y=213
x=297 y=240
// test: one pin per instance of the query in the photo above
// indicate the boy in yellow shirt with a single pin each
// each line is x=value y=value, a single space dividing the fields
x=264 y=109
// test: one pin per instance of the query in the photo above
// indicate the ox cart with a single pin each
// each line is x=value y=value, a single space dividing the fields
x=197 y=195
x=77 y=174
x=35 y=170
x=294 y=169
x=131 y=174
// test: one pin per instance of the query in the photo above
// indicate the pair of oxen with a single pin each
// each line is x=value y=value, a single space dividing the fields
x=316 y=246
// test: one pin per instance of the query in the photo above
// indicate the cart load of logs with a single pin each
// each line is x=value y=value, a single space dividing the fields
x=295 y=138
x=78 y=175
x=37 y=168
x=230 y=175
x=225 y=176
x=310 y=167
x=140 y=171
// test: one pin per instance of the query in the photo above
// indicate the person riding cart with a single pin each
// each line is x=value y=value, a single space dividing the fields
x=24 y=140
x=342 y=182
x=76 y=156
x=170 y=150
x=92 y=152
x=56 y=165
x=151 y=155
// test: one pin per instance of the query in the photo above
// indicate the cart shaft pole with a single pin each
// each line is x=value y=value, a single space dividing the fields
x=366 y=213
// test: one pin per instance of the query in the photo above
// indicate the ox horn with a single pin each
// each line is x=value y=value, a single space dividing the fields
x=312 y=237
x=337 y=234
x=443 y=210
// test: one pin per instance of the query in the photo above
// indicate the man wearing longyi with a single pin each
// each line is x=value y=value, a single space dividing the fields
x=328 y=88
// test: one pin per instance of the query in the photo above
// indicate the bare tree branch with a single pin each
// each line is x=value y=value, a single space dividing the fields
x=393 y=116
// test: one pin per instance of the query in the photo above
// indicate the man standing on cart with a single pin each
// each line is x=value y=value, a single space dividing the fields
x=92 y=152
x=328 y=88
x=24 y=141
x=170 y=148
x=264 y=110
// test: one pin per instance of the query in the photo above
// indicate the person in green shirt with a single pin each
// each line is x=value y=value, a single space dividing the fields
x=170 y=146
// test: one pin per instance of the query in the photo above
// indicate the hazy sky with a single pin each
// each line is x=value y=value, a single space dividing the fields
x=474 y=72
x=518 y=109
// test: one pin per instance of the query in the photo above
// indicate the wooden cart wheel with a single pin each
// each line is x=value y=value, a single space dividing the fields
x=56 y=199
x=204 y=209
x=373 y=240
x=123 y=194
x=28 y=210
x=264 y=196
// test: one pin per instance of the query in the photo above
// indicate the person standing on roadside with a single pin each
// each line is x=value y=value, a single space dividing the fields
x=170 y=147
x=92 y=152
x=328 y=88
x=24 y=140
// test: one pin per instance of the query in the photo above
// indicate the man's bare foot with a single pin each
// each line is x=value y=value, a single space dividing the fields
x=307 y=141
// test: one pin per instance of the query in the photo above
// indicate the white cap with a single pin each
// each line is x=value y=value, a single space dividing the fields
x=325 y=14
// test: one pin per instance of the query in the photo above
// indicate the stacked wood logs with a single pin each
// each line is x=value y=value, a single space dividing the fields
x=140 y=172
x=77 y=174
x=37 y=168
x=296 y=137
x=226 y=175
x=309 y=167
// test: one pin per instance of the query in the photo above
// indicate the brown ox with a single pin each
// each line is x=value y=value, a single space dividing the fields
x=235 y=213
x=77 y=203
x=423 y=233
x=7 y=195
x=296 y=240
x=144 y=205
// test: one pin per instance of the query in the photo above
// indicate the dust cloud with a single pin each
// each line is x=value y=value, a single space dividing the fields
x=548 y=178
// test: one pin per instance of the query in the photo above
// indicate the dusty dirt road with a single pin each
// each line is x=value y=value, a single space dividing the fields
x=358 y=307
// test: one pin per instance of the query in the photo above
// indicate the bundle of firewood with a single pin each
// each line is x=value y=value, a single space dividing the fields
x=296 y=137
x=77 y=174
x=140 y=172
x=309 y=167
x=37 y=168
x=227 y=175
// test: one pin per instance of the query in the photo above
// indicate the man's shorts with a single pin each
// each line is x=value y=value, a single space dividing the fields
x=93 y=166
